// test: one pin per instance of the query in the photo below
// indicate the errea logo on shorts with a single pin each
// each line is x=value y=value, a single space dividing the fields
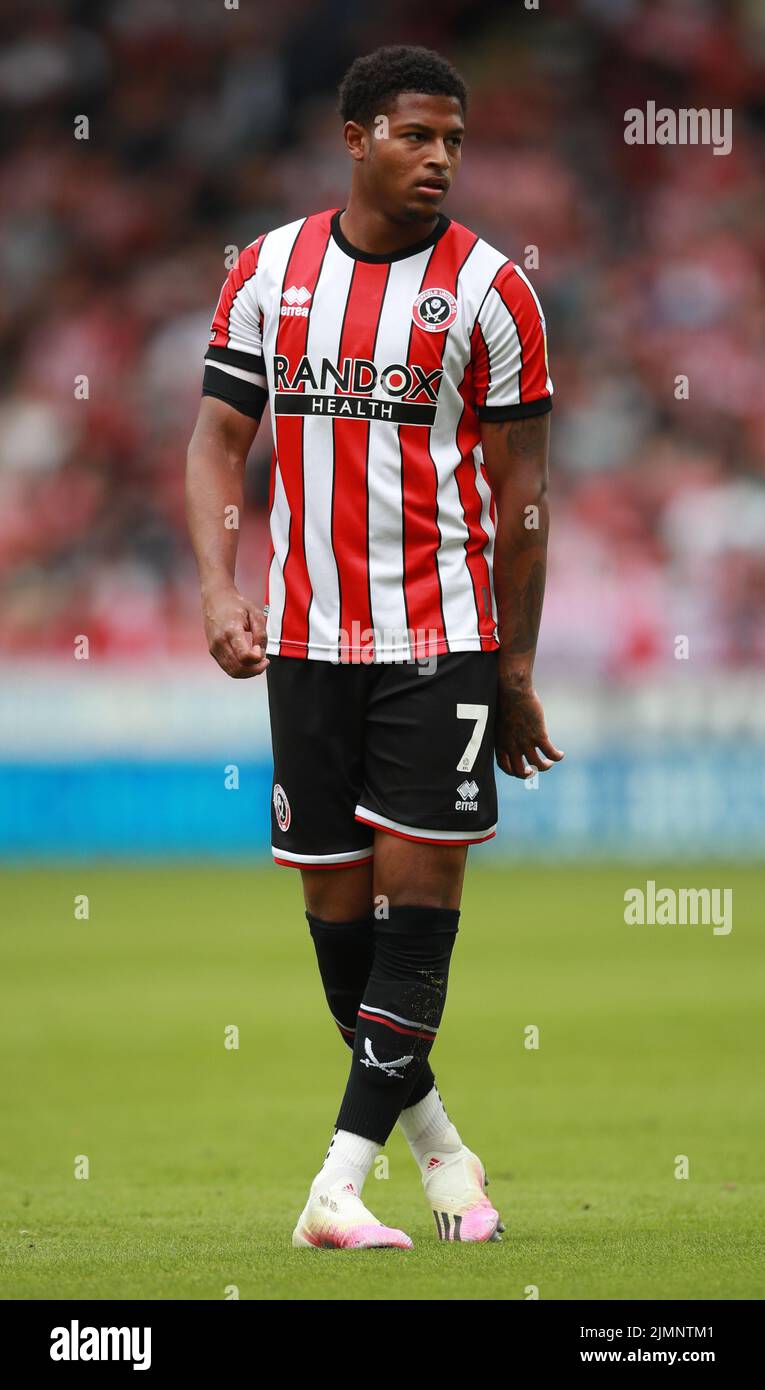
x=296 y=305
x=467 y=791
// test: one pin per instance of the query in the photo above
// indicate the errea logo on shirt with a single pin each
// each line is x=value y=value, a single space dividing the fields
x=296 y=305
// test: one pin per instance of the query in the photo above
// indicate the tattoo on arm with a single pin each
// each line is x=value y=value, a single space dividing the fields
x=522 y=437
x=517 y=467
x=530 y=601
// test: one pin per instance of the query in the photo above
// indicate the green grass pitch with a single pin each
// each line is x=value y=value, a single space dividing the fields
x=200 y=1156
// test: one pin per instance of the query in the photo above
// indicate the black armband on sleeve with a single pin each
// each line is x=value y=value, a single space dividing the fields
x=519 y=411
x=239 y=378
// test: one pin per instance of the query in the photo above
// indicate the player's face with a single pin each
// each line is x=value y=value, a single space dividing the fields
x=410 y=164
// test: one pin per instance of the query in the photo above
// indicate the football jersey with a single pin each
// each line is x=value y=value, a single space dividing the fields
x=378 y=370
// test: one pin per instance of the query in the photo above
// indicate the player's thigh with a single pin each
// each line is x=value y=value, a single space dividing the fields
x=338 y=895
x=417 y=874
x=316 y=710
x=429 y=752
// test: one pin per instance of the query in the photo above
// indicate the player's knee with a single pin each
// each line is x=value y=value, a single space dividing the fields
x=419 y=875
x=338 y=895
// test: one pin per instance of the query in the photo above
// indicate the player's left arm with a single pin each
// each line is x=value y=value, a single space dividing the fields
x=515 y=457
x=513 y=400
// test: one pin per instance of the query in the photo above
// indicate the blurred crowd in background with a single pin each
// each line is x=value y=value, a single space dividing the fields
x=209 y=125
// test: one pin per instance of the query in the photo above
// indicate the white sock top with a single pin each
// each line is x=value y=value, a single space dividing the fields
x=348 y=1156
x=427 y=1127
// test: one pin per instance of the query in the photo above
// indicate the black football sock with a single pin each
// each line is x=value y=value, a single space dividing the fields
x=398 y=1018
x=345 y=952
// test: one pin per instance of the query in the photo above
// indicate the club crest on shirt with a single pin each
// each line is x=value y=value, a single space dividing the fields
x=434 y=310
x=282 y=808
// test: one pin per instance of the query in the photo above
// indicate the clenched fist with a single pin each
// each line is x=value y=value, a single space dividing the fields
x=236 y=632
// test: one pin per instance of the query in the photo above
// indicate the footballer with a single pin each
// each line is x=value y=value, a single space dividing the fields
x=404 y=364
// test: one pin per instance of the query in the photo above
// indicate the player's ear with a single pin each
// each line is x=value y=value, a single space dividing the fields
x=356 y=139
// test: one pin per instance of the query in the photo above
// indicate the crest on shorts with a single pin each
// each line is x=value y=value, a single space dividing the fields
x=434 y=310
x=282 y=808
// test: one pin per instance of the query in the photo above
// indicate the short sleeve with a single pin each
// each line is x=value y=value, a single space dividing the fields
x=509 y=350
x=234 y=368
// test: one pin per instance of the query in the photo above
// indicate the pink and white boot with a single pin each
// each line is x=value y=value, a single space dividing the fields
x=335 y=1217
x=455 y=1185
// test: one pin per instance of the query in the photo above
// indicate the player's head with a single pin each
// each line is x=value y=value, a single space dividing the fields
x=404 y=110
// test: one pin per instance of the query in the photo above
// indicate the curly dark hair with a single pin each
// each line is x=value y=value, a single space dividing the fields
x=372 y=82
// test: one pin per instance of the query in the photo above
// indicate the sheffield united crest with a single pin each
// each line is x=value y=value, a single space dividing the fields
x=434 y=310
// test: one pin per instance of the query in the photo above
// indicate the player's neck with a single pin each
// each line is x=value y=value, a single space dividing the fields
x=369 y=230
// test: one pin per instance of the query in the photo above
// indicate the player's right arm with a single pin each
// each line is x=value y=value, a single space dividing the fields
x=234 y=626
x=234 y=396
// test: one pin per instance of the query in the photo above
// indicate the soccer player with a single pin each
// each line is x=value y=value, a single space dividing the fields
x=404 y=363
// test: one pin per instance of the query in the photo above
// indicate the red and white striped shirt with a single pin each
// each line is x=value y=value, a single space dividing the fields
x=378 y=370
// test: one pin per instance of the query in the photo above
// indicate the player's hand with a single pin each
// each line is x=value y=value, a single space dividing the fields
x=236 y=632
x=520 y=732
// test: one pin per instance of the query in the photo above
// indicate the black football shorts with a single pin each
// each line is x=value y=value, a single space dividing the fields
x=406 y=747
